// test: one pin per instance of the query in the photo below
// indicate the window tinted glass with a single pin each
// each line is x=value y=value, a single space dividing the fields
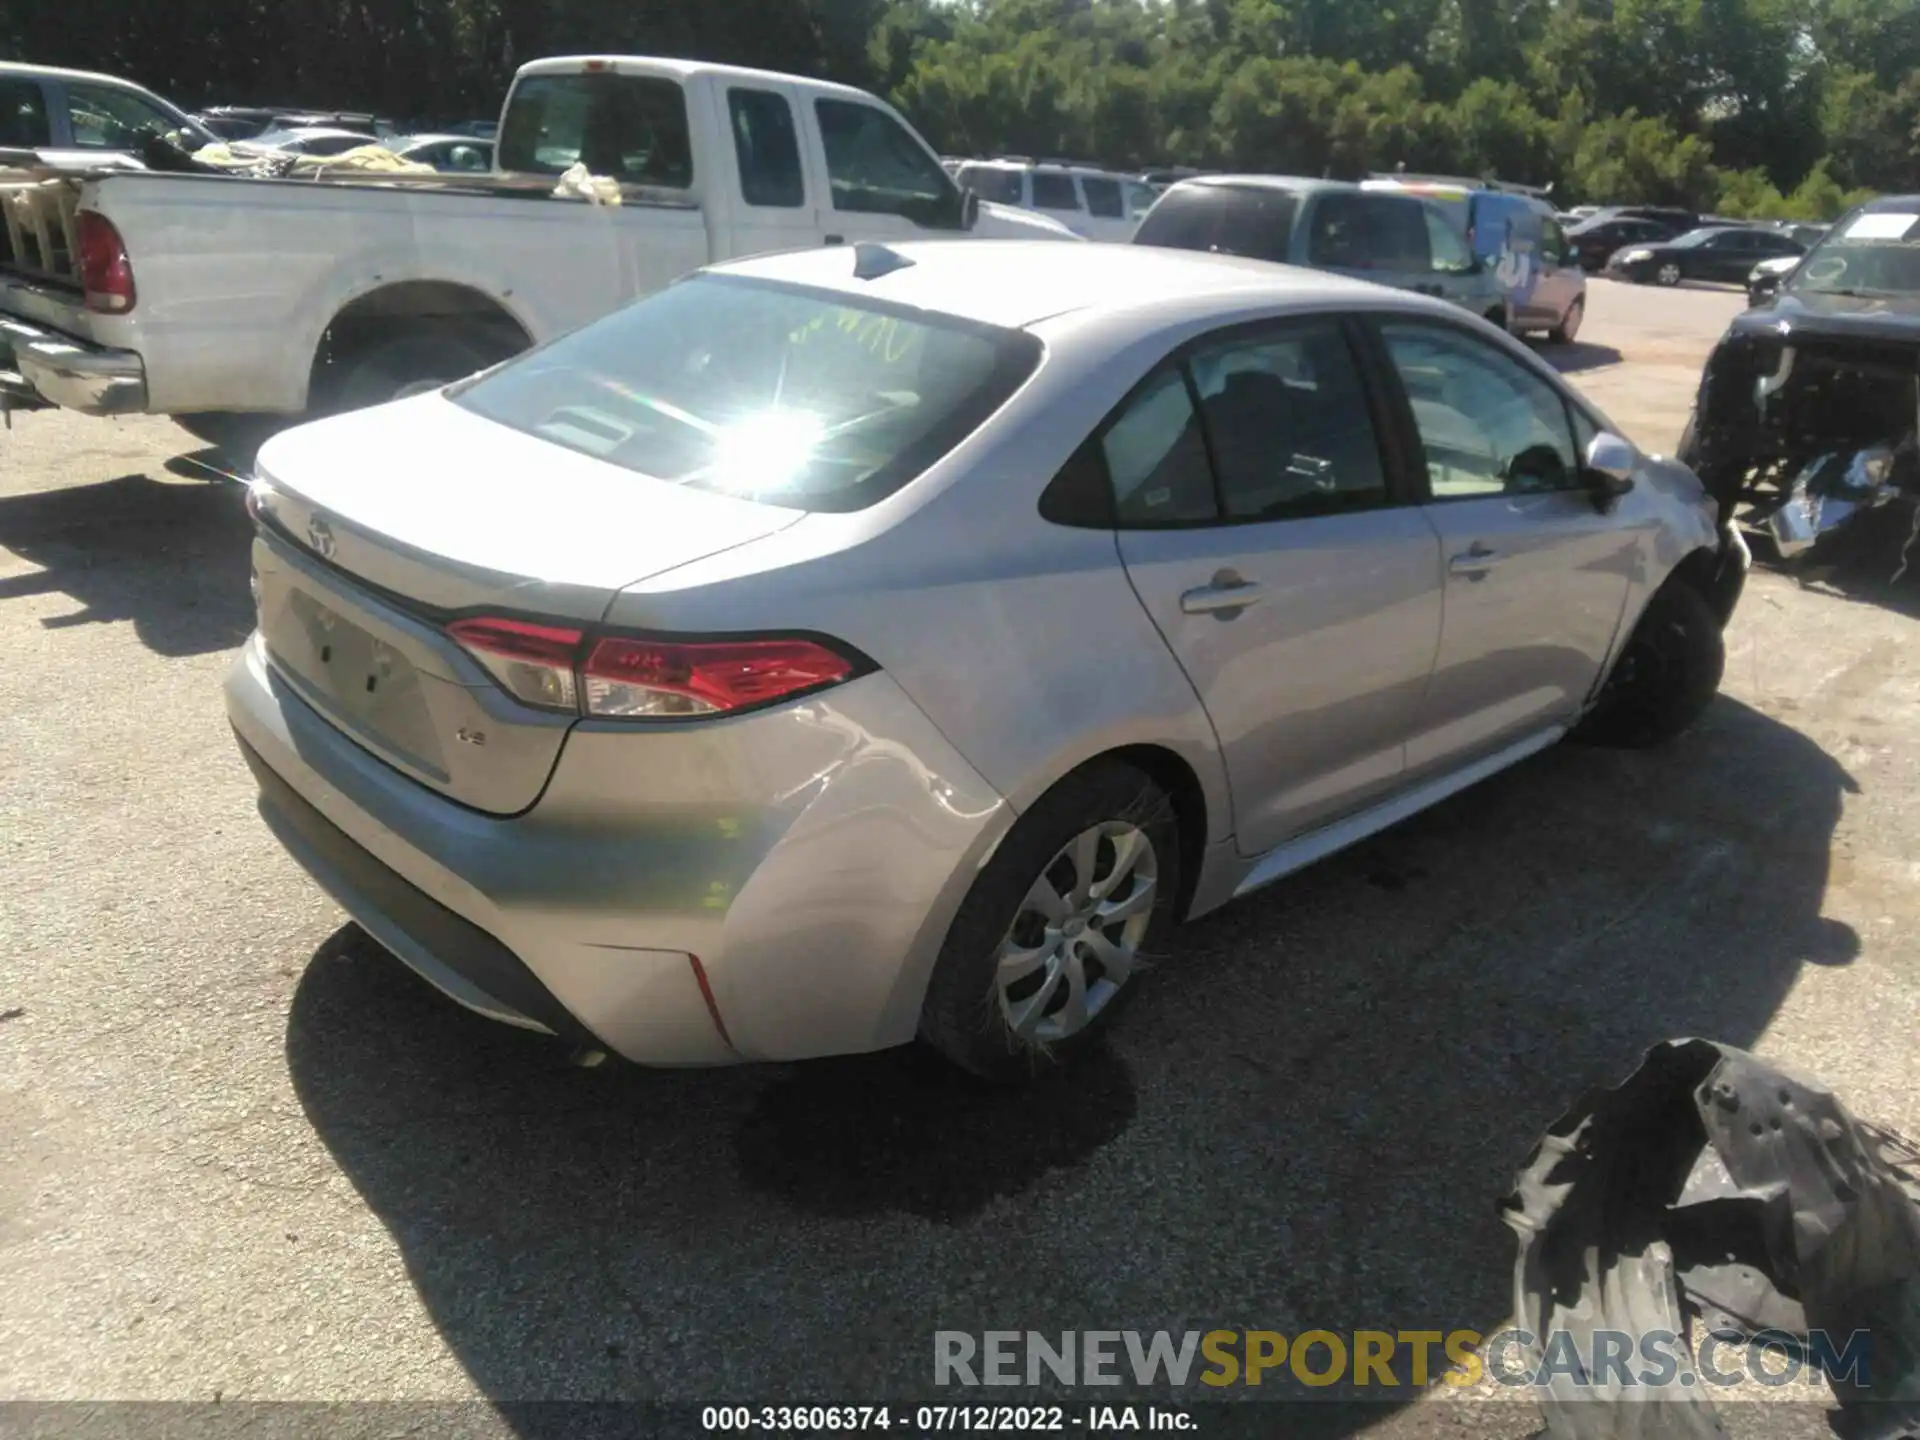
x=1157 y=457
x=1368 y=232
x=23 y=115
x=1446 y=244
x=1053 y=191
x=330 y=144
x=630 y=127
x=1232 y=219
x=876 y=167
x=768 y=151
x=1553 y=241
x=787 y=396
x=1103 y=197
x=1291 y=432
x=1140 y=198
x=1489 y=426
x=992 y=182
x=108 y=119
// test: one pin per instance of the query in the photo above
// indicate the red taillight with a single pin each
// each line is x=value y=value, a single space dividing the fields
x=106 y=275
x=533 y=663
x=645 y=678
x=638 y=678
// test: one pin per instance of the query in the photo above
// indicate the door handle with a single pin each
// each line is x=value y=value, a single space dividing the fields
x=835 y=240
x=1226 y=597
x=1476 y=559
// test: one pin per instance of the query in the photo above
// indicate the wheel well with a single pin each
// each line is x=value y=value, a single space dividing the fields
x=1716 y=575
x=1176 y=777
x=411 y=307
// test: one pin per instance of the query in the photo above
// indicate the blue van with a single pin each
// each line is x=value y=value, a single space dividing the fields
x=1514 y=233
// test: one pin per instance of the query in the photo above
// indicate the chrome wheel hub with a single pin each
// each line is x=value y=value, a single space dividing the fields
x=1075 y=940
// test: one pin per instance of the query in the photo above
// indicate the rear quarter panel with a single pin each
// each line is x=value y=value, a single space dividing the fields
x=238 y=280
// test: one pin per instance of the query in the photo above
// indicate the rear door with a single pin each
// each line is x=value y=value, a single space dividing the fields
x=1106 y=199
x=1267 y=535
x=1536 y=578
x=1056 y=195
x=770 y=205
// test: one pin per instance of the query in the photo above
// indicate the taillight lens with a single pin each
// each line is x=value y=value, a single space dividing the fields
x=533 y=663
x=106 y=275
x=639 y=678
x=643 y=679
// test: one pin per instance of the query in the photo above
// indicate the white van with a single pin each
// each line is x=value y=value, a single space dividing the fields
x=1096 y=204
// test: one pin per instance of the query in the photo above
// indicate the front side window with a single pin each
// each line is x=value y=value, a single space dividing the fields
x=798 y=398
x=876 y=167
x=1446 y=244
x=1140 y=198
x=632 y=128
x=107 y=119
x=1553 y=242
x=767 y=148
x=992 y=182
x=1054 y=191
x=1488 y=425
x=1103 y=197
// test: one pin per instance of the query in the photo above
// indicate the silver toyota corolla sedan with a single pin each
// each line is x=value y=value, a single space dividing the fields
x=860 y=644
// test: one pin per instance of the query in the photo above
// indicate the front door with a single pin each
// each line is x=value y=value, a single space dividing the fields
x=1536 y=578
x=1293 y=580
x=881 y=182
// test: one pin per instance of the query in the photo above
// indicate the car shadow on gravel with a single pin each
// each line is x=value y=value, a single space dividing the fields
x=1304 y=1122
x=170 y=558
x=1572 y=359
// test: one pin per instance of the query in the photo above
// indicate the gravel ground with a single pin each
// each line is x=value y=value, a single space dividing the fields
x=245 y=1155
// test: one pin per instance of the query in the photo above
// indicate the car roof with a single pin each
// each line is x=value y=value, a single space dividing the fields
x=684 y=69
x=56 y=72
x=1019 y=283
x=434 y=138
x=314 y=132
x=1296 y=184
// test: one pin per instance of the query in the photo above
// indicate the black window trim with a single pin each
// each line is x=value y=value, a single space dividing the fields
x=1406 y=484
x=1407 y=428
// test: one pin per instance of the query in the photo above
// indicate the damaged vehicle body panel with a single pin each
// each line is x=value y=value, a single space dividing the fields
x=1805 y=423
x=1711 y=1187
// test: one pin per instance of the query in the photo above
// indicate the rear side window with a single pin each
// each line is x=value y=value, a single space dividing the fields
x=630 y=127
x=768 y=150
x=1369 y=232
x=1156 y=456
x=1054 y=192
x=801 y=398
x=1254 y=221
x=1103 y=197
x=23 y=115
x=992 y=183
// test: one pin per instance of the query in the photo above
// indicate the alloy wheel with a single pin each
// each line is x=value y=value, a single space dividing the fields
x=1669 y=274
x=1075 y=940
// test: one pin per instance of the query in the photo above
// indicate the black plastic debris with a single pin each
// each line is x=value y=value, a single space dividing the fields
x=1713 y=1187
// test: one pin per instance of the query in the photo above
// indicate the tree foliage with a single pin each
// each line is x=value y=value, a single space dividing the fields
x=1748 y=106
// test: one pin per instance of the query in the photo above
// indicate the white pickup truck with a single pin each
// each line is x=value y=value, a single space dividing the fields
x=205 y=295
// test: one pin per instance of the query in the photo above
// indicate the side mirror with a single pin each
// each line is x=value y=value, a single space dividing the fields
x=969 y=207
x=1608 y=470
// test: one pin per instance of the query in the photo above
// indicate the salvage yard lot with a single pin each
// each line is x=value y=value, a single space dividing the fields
x=242 y=1153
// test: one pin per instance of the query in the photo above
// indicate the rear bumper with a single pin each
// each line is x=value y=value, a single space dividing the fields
x=75 y=374
x=811 y=857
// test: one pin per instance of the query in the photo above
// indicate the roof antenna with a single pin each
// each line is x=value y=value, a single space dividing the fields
x=871 y=260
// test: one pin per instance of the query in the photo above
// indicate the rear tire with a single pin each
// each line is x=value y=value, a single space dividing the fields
x=400 y=366
x=1003 y=996
x=1569 y=327
x=1665 y=677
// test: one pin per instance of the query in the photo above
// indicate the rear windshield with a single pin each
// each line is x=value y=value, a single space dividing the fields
x=630 y=127
x=1250 y=220
x=796 y=397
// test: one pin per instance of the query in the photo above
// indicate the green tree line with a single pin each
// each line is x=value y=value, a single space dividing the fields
x=1757 y=107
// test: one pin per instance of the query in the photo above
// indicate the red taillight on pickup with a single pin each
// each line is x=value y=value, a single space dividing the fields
x=106 y=275
x=626 y=677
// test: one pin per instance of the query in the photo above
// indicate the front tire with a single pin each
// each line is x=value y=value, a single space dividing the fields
x=1049 y=943
x=1668 y=275
x=1666 y=676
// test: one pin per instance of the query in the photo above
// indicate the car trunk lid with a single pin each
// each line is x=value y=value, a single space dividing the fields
x=381 y=528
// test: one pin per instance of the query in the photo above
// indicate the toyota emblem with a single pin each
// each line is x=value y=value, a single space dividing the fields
x=320 y=537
